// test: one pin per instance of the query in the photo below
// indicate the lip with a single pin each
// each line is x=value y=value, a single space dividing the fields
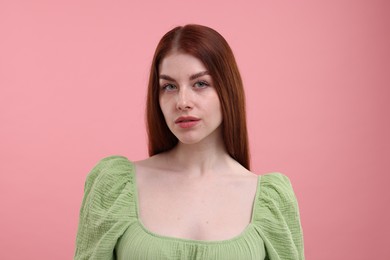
x=187 y=121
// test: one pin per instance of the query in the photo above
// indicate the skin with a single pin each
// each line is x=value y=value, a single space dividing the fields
x=196 y=190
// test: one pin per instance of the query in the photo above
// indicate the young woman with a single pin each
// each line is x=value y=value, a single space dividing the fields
x=194 y=197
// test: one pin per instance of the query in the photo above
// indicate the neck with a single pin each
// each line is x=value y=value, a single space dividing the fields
x=200 y=159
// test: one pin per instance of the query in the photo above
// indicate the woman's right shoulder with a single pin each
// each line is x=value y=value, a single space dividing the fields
x=107 y=208
x=106 y=182
x=152 y=163
x=109 y=169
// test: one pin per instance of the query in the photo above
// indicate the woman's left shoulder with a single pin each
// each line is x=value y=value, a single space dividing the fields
x=276 y=177
x=277 y=187
x=277 y=216
x=276 y=180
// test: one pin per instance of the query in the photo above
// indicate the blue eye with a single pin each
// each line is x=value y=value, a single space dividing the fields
x=169 y=87
x=201 y=84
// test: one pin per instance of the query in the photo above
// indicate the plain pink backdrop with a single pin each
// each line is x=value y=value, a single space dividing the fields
x=73 y=78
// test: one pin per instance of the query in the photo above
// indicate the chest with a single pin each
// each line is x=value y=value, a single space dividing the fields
x=203 y=210
x=137 y=243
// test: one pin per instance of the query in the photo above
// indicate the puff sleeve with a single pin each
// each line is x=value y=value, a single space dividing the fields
x=106 y=209
x=277 y=218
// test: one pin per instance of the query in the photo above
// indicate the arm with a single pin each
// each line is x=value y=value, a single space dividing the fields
x=280 y=220
x=103 y=215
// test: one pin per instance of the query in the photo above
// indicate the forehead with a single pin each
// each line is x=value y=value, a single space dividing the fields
x=180 y=64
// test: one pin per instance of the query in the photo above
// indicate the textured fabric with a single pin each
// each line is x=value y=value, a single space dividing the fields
x=109 y=227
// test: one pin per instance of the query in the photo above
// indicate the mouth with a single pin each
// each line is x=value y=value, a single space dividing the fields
x=187 y=121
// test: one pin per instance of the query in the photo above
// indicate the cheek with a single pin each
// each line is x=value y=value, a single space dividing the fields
x=164 y=107
x=218 y=108
x=167 y=102
x=216 y=105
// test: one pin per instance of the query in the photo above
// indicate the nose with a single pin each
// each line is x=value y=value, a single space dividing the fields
x=184 y=100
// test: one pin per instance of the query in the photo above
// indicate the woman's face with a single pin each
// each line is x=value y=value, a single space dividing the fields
x=188 y=99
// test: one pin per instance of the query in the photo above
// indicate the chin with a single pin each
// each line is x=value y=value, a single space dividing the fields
x=195 y=137
x=189 y=141
x=189 y=138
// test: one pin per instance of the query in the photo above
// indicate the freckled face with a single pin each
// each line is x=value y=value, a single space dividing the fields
x=188 y=99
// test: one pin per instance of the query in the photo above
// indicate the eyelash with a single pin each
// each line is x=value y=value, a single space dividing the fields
x=165 y=87
x=202 y=82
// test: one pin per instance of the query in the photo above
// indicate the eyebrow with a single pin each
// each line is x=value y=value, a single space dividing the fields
x=192 y=77
x=200 y=74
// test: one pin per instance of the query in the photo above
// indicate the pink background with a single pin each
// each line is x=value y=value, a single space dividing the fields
x=73 y=76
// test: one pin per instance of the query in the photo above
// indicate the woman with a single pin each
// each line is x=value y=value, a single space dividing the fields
x=194 y=197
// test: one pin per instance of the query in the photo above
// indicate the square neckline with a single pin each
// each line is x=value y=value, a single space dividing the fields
x=188 y=240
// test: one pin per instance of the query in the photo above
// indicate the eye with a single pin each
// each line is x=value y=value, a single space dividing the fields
x=201 y=84
x=168 y=87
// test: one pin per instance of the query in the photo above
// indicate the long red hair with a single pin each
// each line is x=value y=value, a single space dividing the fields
x=212 y=49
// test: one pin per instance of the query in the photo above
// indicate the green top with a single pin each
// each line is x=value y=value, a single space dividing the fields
x=110 y=228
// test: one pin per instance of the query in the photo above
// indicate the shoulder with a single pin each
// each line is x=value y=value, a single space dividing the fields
x=278 y=219
x=107 y=209
x=276 y=196
x=110 y=178
x=276 y=178
x=109 y=168
x=109 y=162
x=277 y=187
